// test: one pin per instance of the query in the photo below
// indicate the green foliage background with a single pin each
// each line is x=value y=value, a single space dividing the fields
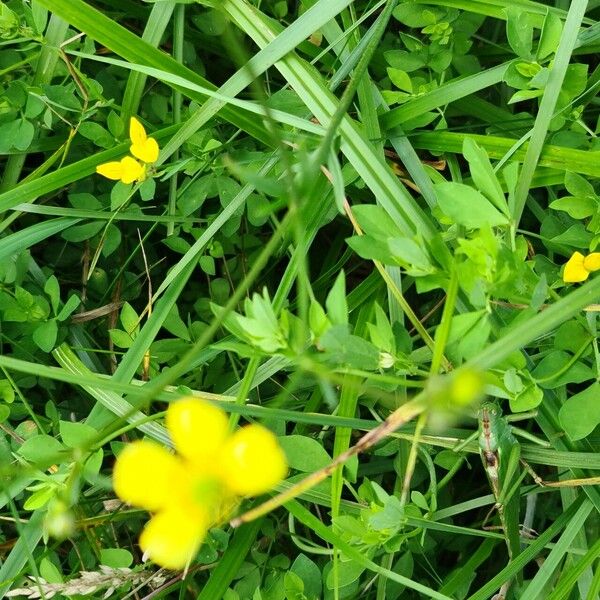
x=355 y=203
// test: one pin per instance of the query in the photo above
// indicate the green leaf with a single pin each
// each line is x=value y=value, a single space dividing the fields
x=343 y=348
x=116 y=558
x=310 y=575
x=577 y=207
x=571 y=336
x=381 y=333
x=35 y=308
x=77 y=435
x=468 y=207
x=419 y=500
x=409 y=253
x=120 y=338
x=550 y=36
x=44 y=335
x=40 y=498
x=97 y=134
x=130 y=319
x=303 y=453
x=7 y=392
x=52 y=288
x=483 y=174
x=81 y=233
x=111 y=240
x=348 y=572
x=50 y=572
x=25 y=133
x=174 y=325
x=523 y=95
x=447 y=459
x=41 y=449
x=580 y=414
x=519 y=31
x=207 y=264
x=70 y=305
x=318 y=321
x=294 y=586
x=120 y=195
x=147 y=189
x=412 y=14
x=92 y=466
x=372 y=248
x=577 y=185
x=550 y=373
x=400 y=79
x=527 y=399
x=336 y=305
x=176 y=243
x=468 y=334
x=512 y=382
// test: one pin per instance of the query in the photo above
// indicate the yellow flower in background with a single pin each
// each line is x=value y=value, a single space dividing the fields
x=198 y=487
x=245 y=452
x=129 y=169
x=579 y=267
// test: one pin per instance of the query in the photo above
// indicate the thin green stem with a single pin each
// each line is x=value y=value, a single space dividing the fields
x=178 y=41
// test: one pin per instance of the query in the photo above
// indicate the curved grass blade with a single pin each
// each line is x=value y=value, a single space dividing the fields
x=25 y=238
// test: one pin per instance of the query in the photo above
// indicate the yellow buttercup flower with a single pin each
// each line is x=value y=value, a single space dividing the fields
x=592 y=262
x=579 y=267
x=185 y=418
x=245 y=453
x=145 y=474
x=129 y=169
x=173 y=537
x=198 y=487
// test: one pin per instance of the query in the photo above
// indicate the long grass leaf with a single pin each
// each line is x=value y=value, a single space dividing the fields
x=548 y=103
x=324 y=532
x=555 y=157
x=31 y=534
x=537 y=585
x=25 y=238
x=443 y=95
x=392 y=196
x=130 y=47
x=493 y=585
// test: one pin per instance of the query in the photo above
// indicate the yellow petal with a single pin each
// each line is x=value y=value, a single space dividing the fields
x=137 y=133
x=145 y=475
x=142 y=146
x=132 y=170
x=592 y=262
x=146 y=151
x=173 y=537
x=110 y=170
x=198 y=429
x=252 y=462
x=575 y=270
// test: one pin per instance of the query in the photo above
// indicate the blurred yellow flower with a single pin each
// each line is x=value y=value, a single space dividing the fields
x=579 y=267
x=198 y=487
x=128 y=169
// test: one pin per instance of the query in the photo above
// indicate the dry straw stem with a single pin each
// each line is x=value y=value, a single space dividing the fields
x=403 y=415
x=90 y=582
